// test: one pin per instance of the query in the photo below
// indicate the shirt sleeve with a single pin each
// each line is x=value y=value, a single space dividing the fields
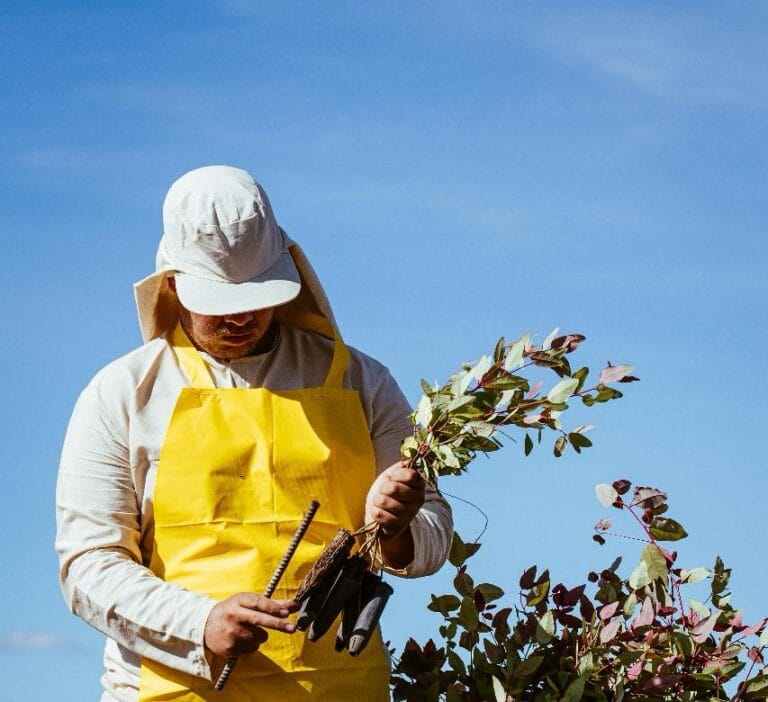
x=97 y=540
x=432 y=527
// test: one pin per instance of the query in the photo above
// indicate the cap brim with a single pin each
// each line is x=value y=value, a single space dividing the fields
x=276 y=286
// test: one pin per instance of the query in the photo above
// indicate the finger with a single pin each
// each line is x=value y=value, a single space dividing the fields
x=259 y=603
x=395 y=507
x=249 y=635
x=253 y=619
x=246 y=640
x=408 y=476
x=390 y=523
x=402 y=492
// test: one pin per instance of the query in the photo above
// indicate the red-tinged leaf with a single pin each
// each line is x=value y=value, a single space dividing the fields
x=528 y=579
x=608 y=632
x=574 y=595
x=646 y=616
x=633 y=672
x=661 y=682
x=755 y=628
x=612 y=374
x=622 y=486
x=535 y=389
x=608 y=611
x=755 y=655
x=700 y=633
x=645 y=497
x=603 y=525
x=569 y=341
x=737 y=621
x=586 y=608
x=568 y=619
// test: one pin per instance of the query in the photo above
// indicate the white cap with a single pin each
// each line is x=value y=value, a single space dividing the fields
x=221 y=239
x=228 y=255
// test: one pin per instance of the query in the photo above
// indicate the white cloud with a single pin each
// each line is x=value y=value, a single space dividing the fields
x=693 y=57
x=34 y=641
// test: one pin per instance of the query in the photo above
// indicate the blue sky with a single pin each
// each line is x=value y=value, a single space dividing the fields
x=455 y=171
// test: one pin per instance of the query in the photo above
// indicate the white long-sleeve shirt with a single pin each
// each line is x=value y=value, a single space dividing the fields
x=106 y=480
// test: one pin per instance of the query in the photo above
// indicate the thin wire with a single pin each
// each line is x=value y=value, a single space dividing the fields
x=471 y=504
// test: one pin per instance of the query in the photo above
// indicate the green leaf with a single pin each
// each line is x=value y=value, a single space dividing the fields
x=468 y=614
x=579 y=440
x=515 y=354
x=694 y=575
x=464 y=584
x=757 y=688
x=528 y=444
x=476 y=372
x=444 y=603
x=764 y=637
x=563 y=390
x=458 y=553
x=461 y=551
x=409 y=447
x=458 y=402
x=527 y=666
x=667 y=529
x=581 y=376
x=721 y=577
x=545 y=629
x=700 y=608
x=456 y=662
x=539 y=592
x=423 y=414
x=586 y=664
x=498 y=690
x=639 y=576
x=629 y=605
x=656 y=563
x=498 y=352
x=490 y=591
x=575 y=691
x=560 y=443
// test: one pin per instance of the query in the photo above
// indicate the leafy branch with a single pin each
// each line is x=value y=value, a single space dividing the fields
x=454 y=421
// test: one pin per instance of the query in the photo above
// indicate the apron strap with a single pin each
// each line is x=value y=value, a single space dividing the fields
x=339 y=363
x=191 y=360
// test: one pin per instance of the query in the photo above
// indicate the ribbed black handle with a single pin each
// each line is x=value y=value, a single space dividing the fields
x=309 y=515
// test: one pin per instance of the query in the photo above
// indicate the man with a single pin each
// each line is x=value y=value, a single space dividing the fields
x=189 y=462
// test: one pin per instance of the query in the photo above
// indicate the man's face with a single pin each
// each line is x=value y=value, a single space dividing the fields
x=230 y=336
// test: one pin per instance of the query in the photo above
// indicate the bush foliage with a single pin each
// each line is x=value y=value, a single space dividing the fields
x=614 y=638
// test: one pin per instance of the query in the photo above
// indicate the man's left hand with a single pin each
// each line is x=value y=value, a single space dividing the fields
x=397 y=497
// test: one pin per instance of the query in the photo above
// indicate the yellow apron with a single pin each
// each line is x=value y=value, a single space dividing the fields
x=237 y=470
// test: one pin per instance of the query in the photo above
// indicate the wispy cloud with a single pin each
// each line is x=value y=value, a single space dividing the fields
x=689 y=57
x=34 y=641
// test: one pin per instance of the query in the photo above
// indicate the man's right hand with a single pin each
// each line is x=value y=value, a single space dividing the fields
x=236 y=626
